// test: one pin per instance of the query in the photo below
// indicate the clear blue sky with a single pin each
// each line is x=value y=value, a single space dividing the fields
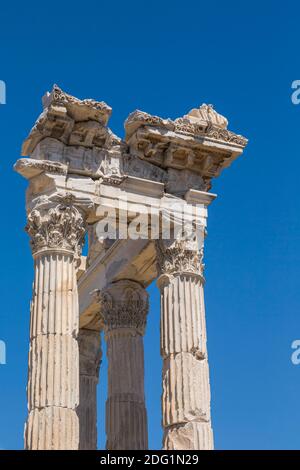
x=165 y=57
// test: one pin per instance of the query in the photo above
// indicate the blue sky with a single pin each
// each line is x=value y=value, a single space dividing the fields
x=165 y=57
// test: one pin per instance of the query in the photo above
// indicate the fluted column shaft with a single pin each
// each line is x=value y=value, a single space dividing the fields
x=124 y=306
x=53 y=374
x=89 y=363
x=186 y=390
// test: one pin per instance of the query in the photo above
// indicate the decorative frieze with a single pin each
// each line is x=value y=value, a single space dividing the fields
x=74 y=132
x=71 y=121
x=199 y=141
x=207 y=121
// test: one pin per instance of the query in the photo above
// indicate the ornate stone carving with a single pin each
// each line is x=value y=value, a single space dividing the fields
x=198 y=122
x=124 y=304
x=207 y=129
x=139 y=118
x=71 y=121
x=218 y=133
x=74 y=133
x=206 y=113
x=199 y=141
x=111 y=168
x=179 y=257
x=96 y=162
x=56 y=225
x=80 y=110
x=30 y=168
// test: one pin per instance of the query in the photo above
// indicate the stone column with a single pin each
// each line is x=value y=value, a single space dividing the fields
x=186 y=390
x=56 y=228
x=124 y=306
x=89 y=363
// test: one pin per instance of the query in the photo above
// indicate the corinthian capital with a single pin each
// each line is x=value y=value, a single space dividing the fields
x=179 y=257
x=56 y=224
x=124 y=305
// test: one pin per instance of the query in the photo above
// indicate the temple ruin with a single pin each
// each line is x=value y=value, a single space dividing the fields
x=82 y=177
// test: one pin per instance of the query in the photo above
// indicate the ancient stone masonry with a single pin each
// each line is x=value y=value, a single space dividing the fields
x=79 y=171
x=181 y=144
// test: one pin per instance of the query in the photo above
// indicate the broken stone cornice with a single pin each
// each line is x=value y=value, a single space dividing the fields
x=72 y=121
x=204 y=121
x=79 y=110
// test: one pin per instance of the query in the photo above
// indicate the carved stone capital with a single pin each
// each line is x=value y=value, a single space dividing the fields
x=56 y=224
x=124 y=305
x=180 y=256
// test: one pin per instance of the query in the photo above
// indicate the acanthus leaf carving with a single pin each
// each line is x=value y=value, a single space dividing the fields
x=56 y=225
x=179 y=256
x=124 y=305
